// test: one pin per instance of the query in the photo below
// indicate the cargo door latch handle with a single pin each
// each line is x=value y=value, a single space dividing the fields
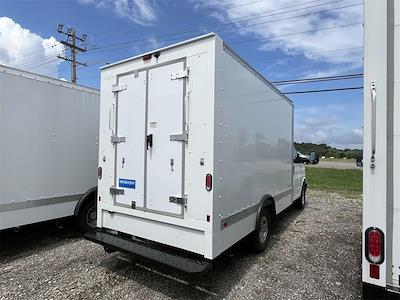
x=183 y=137
x=149 y=141
x=115 y=191
x=178 y=200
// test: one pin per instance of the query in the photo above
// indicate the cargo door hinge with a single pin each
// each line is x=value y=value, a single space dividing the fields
x=115 y=191
x=178 y=200
x=118 y=88
x=182 y=137
x=118 y=139
x=180 y=74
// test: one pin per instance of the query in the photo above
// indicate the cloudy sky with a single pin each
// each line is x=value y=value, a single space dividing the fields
x=282 y=39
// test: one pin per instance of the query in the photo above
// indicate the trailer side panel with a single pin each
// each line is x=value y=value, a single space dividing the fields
x=49 y=140
x=252 y=145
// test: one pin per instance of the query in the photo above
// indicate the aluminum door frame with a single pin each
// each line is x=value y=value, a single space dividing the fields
x=147 y=69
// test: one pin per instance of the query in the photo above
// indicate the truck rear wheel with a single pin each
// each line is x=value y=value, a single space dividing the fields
x=87 y=217
x=262 y=233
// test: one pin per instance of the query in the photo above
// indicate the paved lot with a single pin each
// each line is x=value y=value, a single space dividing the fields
x=337 y=164
x=314 y=254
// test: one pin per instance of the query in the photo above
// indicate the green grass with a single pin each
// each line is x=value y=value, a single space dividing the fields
x=339 y=180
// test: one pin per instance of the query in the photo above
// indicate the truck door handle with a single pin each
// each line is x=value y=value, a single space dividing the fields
x=373 y=123
x=149 y=141
x=111 y=118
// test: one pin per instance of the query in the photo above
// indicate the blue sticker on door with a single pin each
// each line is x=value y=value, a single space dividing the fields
x=127 y=183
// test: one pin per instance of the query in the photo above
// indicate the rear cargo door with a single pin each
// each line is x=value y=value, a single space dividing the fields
x=130 y=143
x=165 y=139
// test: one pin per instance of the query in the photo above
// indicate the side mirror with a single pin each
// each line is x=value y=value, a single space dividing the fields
x=312 y=155
x=314 y=158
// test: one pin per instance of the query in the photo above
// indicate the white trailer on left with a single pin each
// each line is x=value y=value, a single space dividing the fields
x=48 y=149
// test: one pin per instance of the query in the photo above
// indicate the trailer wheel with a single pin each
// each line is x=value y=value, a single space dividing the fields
x=301 y=202
x=87 y=217
x=262 y=233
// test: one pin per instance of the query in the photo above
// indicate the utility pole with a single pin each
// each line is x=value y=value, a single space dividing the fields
x=71 y=44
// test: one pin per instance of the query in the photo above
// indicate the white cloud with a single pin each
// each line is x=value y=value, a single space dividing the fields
x=315 y=110
x=311 y=122
x=141 y=12
x=315 y=45
x=26 y=50
x=154 y=43
x=321 y=125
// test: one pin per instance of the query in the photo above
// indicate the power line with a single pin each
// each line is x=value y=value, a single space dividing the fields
x=33 y=64
x=97 y=62
x=287 y=56
x=195 y=30
x=295 y=33
x=32 y=53
x=243 y=4
x=325 y=90
x=227 y=2
x=265 y=14
x=236 y=19
x=39 y=63
x=102 y=49
x=290 y=56
x=316 y=79
x=286 y=18
x=231 y=1
x=239 y=20
x=96 y=49
x=327 y=78
x=243 y=41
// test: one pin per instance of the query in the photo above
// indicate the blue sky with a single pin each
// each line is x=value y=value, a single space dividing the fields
x=282 y=39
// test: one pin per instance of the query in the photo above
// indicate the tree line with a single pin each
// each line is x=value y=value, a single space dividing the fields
x=327 y=151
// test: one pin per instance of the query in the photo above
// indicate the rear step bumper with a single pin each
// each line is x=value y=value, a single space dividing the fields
x=131 y=247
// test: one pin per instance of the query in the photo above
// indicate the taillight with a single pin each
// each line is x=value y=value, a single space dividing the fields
x=99 y=172
x=208 y=182
x=374 y=245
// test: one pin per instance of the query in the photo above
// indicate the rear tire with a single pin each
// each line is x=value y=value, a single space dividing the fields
x=87 y=217
x=301 y=202
x=262 y=233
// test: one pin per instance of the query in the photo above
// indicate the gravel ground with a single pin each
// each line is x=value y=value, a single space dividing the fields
x=313 y=254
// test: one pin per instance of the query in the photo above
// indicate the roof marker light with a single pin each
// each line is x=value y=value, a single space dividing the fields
x=147 y=56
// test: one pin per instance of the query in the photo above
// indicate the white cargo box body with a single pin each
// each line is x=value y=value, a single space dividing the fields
x=381 y=158
x=169 y=119
x=49 y=146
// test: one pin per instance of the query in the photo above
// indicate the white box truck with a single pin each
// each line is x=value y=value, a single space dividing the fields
x=381 y=162
x=48 y=150
x=196 y=152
